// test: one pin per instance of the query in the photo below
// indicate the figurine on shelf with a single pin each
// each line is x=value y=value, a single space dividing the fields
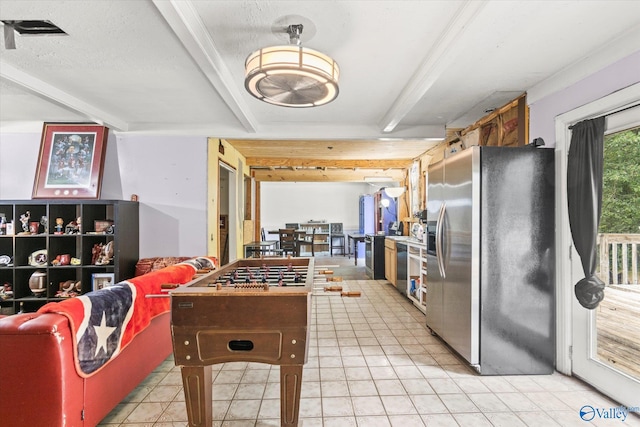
x=72 y=228
x=69 y=289
x=106 y=254
x=95 y=253
x=24 y=219
x=6 y=291
x=59 y=226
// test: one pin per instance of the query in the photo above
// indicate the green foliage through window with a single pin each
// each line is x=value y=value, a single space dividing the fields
x=621 y=183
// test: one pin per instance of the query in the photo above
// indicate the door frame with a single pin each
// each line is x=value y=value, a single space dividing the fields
x=575 y=325
x=232 y=195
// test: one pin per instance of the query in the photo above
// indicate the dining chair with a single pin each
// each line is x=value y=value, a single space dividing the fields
x=288 y=243
x=336 y=233
x=272 y=250
x=309 y=240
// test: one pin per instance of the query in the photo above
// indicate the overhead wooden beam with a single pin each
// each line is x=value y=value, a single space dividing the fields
x=349 y=164
x=329 y=175
x=57 y=96
x=188 y=26
x=444 y=51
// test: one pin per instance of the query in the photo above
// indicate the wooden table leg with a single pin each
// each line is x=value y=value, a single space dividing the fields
x=196 y=381
x=290 y=384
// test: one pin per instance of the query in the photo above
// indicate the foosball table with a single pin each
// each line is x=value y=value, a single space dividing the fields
x=251 y=310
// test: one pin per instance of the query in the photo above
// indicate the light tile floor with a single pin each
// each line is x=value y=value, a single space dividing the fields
x=372 y=362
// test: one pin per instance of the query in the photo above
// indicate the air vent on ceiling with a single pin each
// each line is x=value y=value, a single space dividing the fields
x=34 y=27
x=28 y=28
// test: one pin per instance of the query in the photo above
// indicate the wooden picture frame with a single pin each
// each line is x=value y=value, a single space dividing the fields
x=102 y=280
x=71 y=161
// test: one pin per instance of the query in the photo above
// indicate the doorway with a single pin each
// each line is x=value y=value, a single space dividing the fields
x=583 y=349
x=227 y=211
x=617 y=319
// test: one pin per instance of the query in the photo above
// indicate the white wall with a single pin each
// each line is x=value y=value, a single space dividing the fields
x=168 y=173
x=542 y=113
x=18 y=158
x=284 y=202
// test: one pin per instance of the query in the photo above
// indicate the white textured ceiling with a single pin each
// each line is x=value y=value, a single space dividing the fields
x=408 y=68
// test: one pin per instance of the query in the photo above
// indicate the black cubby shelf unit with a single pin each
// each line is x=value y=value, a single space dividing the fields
x=19 y=247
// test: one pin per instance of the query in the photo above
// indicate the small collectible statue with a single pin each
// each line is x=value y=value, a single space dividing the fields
x=24 y=219
x=95 y=253
x=72 y=228
x=106 y=254
x=6 y=291
x=59 y=226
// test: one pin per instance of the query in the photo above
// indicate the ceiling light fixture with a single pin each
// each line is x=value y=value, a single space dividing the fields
x=394 y=192
x=292 y=75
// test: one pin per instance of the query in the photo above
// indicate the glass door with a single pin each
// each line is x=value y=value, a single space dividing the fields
x=605 y=342
x=617 y=319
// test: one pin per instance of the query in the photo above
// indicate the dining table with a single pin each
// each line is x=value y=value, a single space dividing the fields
x=300 y=235
x=354 y=239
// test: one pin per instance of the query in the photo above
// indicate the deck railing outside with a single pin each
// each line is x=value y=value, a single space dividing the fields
x=619 y=258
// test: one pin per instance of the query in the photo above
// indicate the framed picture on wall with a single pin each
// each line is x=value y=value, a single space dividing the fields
x=71 y=161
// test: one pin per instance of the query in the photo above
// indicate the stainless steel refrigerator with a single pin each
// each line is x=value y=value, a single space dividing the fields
x=490 y=258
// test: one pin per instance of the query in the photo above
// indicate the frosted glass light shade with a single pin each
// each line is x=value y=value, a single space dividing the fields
x=291 y=76
x=394 y=191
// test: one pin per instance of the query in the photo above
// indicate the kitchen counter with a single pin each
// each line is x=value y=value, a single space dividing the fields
x=406 y=239
x=411 y=269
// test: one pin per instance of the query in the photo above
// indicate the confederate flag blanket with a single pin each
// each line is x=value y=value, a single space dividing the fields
x=103 y=322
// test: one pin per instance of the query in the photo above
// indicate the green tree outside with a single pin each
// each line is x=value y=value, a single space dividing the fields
x=621 y=183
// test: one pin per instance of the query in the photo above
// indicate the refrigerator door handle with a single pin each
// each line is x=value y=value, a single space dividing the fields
x=439 y=246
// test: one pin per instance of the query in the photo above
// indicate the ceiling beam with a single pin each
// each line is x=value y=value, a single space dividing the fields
x=329 y=163
x=329 y=175
x=185 y=22
x=59 y=97
x=440 y=56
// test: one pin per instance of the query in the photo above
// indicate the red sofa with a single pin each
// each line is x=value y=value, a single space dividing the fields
x=40 y=380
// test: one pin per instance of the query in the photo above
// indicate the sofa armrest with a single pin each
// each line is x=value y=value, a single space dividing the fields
x=38 y=349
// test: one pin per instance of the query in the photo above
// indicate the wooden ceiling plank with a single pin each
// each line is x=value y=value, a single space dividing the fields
x=329 y=175
x=312 y=162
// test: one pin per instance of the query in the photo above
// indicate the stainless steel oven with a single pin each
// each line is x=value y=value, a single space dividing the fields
x=374 y=256
x=368 y=254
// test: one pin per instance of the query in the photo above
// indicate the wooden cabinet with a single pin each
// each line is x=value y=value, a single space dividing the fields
x=390 y=261
x=36 y=251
